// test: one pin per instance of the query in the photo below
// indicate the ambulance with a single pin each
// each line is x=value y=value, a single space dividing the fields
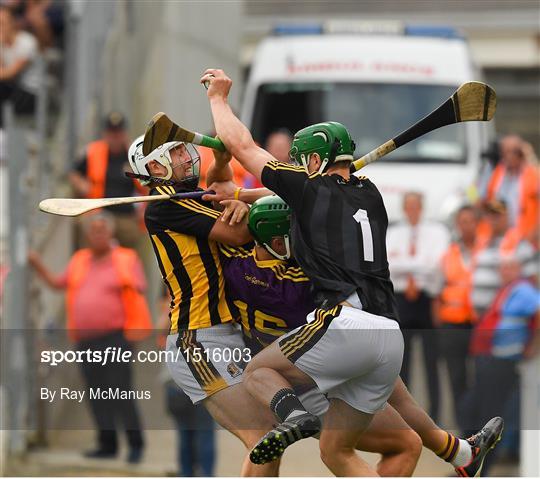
x=377 y=83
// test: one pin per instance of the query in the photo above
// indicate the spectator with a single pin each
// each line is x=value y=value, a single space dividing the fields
x=453 y=310
x=501 y=241
x=105 y=307
x=16 y=7
x=196 y=444
x=515 y=181
x=278 y=143
x=490 y=159
x=100 y=174
x=19 y=72
x=414 y=249
x=506 y=334
x=45 y=19
x=534 y=240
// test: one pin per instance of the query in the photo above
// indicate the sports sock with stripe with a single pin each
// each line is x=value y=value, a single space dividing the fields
x=286 y=404
x=456 y=451
x=463 y=455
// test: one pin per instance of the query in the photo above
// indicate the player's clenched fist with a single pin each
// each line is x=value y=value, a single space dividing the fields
x=217 y=83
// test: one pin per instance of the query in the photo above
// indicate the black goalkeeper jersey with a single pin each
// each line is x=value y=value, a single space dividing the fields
x=338 y=232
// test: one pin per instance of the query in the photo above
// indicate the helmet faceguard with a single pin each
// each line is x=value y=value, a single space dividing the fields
x=269 y=217
x=162 y=155
x=190 y=181
x=330 y=140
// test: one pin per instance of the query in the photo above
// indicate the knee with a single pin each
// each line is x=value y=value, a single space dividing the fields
x=333 y=453
x=411 y=444
x=402 y=442
x=251 y=375
x=400 y=454
x=248 y=370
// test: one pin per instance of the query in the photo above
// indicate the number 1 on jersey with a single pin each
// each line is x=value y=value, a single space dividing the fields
x=367 y=239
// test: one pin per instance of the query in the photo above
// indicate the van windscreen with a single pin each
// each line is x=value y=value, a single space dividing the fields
x=373 y=113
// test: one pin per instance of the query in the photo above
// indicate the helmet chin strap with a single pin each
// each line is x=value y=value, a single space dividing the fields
x=305 y=162
x=169 y=169
x=282 y=257
x=323 y=166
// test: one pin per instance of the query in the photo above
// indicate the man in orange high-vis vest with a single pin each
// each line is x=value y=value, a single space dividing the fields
x=453 y=309
x=100 y=173
x=516 y=181
x=105 y=308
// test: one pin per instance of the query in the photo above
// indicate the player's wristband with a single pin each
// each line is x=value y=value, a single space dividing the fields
x=237 y=193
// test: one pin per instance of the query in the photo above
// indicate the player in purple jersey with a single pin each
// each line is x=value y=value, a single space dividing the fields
x=271 y=296
x=270 y=292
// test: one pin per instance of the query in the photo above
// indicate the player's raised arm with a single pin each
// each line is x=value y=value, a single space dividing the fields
x=220 y=169
x=232 y=132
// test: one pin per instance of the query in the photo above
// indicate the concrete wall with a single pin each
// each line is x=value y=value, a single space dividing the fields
x=156 y=53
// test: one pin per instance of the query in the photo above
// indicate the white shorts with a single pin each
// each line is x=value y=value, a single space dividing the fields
x=351 y=355
x=208 y=360
x=315 y=402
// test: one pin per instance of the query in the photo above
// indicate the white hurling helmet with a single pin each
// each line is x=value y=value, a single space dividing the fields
x=161 y=154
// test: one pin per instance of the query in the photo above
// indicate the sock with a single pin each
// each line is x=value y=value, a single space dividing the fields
x=463 y=455
x=455 y=451
x=286 y=404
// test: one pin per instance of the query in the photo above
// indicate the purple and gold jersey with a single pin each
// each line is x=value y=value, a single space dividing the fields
x=271 y=297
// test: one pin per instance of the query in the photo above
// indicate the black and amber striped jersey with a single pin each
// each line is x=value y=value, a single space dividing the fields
x=188 y=260
x=338 y=231
x=269 y=297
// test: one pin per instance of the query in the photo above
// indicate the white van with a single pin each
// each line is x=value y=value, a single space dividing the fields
x=377 y=86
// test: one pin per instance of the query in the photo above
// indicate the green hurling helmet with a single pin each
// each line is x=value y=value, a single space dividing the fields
x=269 y=217
x=331 y=140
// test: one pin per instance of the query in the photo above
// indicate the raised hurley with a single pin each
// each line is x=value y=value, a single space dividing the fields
x=162 y=129
x=472 y=101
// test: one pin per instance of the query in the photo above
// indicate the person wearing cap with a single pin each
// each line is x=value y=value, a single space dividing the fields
x=503 y=240
x=515 y=180
x=100 y=174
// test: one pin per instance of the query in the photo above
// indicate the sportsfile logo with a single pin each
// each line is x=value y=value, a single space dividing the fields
x=108 y=356
x=120 y=355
